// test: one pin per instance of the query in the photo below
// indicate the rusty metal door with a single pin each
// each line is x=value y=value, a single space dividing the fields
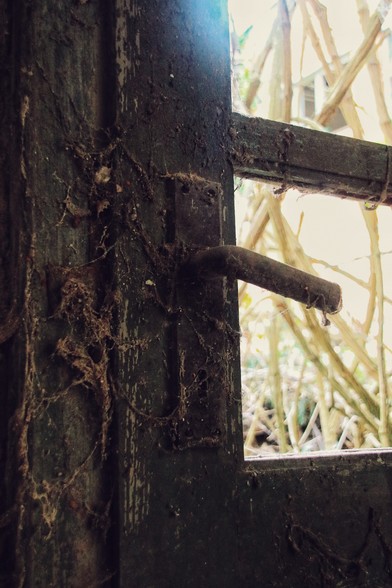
x=122 y=461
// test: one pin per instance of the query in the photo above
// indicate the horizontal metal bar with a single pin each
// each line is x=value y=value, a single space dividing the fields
x=311 y=160
x=242 y=264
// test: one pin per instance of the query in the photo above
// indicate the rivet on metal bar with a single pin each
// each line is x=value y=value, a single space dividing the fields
x=242 y=264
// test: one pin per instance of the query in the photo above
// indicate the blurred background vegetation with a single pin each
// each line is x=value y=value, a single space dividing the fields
x=306 y=387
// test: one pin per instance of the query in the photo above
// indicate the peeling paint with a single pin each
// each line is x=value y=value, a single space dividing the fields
x=136 y=486
x=123 y=51
x=24 y=110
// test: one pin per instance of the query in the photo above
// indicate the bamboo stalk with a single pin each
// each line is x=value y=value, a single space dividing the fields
x=352 y=68
x=320 y=11
x=315 y=42
x=384 y=393
x=260 y=219
x=338 y=365
x=259 y=67
x=259 y=409
x=314 y=357
x=350 y=276
x=310 y=425
x=285 y=238
x=371 y=307
x=347 y=106
x=340 y=271
x=374 y=71
x=276 y=384
x=328 y=436
x=375 y=74
x=349 y=388
x=292 y=412
x=259 y=223
x=307 y=122
x=294 y=255
x=345 y=431
x=286 y=39
x=275 y=110
x=262 y=59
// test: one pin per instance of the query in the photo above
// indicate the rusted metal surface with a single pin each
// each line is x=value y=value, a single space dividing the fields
x=311 y=160
x=325 y=517
x=201 y=319
x=192 y=512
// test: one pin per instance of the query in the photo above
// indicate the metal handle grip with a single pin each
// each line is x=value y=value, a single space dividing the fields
x=242 y=264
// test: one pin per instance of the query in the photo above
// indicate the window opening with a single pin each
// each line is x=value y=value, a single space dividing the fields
x=337 y=122
x=312 y=93
x=308 y=107
x=307 y=387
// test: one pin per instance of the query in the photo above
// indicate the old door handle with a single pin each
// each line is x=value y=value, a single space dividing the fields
x=242 y=264
x=205 y=324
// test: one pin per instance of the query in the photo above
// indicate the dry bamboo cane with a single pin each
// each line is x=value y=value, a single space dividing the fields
x=286 y=239
x=328 y=434
x=314 y=357
x=276 y=383
x=376 y=279
x=315 y=42
x=286 y=38
x=256 y=231
x=347 y=105
x=293 y=412
x=258 y=70
x=374 y=69
x=358 y=131
x=353 y=67
x=275 y=110
x=384 y=392
x=261 y=61
x=258 y=411
x=295 y=255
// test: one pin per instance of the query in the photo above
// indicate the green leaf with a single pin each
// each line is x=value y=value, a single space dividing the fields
x=244 y=37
